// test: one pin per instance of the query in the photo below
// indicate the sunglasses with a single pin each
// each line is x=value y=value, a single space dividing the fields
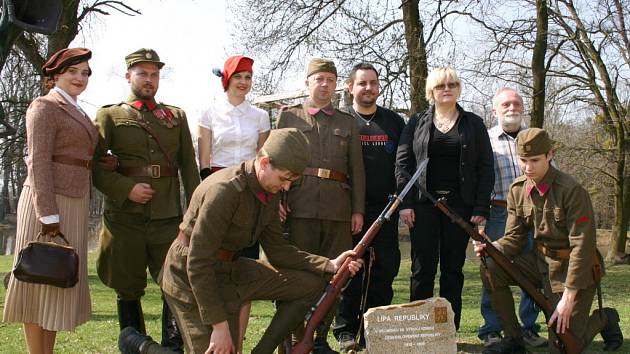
x=450 y=85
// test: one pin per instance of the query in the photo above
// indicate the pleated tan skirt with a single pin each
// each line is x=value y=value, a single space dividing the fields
x=52 y=308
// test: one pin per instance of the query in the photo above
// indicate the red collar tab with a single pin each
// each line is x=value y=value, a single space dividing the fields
x=542 y=189
x=263 y=197
x=150 y=104
x=328 y=110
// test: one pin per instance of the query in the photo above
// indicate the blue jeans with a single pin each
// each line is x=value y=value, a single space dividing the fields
x=528 y=311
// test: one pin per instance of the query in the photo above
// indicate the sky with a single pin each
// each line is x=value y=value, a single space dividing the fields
x=190 y=36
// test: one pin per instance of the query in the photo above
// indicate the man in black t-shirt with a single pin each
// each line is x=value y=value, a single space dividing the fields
x=379 y=132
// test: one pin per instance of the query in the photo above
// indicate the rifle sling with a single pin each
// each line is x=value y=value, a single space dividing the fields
x=152 y=134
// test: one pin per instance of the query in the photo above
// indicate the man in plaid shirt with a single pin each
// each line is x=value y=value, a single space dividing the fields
x=507 y=106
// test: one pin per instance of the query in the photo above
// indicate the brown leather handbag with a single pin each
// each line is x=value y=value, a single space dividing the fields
x=48 y=263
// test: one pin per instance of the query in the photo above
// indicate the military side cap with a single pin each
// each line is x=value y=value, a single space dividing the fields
x=143 y=55
x=288 y=149
x=532 y=142
x=64 y=58
x=319 y=65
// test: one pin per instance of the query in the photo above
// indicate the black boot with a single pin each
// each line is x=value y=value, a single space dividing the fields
x=320 y=346
x=507 y=345
x=171 y=337
x=130 y=315
x=613 y=338
x=130 y=341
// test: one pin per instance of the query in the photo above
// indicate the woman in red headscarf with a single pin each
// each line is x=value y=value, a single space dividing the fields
x=232 y=130
x=61 y=141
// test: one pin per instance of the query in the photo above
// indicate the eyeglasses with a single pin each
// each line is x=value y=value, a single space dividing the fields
x=450 y=85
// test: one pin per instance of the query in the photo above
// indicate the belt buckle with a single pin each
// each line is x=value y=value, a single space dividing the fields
x=155 y=171
x=323 y=173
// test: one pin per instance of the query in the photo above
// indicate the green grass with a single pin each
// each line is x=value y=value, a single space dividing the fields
x=100 y=334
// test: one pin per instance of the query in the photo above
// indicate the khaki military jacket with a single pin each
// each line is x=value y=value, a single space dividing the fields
x=225 y=213
x=123 y=135
x=334 y=144
x=560 y=214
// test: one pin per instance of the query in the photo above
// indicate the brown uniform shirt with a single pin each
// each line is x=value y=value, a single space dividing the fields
x=225 y=213
x=560 y=214
x=334 y=144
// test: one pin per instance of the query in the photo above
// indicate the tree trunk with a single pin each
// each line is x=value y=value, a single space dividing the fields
x=539 y=72
x=618 y=236
x=417 y=54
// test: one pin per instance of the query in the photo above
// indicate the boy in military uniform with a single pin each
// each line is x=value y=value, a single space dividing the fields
x=142 y=197
x=326 y=206
x=558 y=210
x=205 y=281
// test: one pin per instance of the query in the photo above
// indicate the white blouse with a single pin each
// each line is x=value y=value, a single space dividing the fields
x=235 y=131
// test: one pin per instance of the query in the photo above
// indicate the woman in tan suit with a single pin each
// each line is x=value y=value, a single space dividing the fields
x=61 y=141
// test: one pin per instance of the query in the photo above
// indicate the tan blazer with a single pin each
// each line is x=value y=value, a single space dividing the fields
x=56 y=127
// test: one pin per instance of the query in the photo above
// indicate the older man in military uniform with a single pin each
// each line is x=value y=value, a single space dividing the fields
x=142 y=197
x=204 y=279
x=565 y=262
x=326 y=206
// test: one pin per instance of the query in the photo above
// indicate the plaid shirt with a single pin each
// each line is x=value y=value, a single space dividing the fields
x=505 y=162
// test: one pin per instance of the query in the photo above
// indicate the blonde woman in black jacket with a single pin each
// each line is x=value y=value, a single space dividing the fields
x=460 y=169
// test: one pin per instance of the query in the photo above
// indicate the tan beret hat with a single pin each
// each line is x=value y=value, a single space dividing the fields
x=318 y=65
x=288 y=149
x=65 y=57
x=143 y=55
x=532 y=142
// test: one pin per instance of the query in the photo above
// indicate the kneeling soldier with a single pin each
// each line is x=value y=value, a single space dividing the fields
x=205 y=281
x=565 y=262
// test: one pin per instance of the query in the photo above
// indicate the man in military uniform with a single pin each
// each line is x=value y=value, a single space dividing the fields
x=326 y=206
x=565 y=262
x=205 y=281
x=142 y=197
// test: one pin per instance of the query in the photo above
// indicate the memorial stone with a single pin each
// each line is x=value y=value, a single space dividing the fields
x=423 y=326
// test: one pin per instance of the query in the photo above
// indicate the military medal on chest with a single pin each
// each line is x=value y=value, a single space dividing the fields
x=165 y=117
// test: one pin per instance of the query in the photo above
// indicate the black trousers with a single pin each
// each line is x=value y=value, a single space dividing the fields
x=384 y=270
x=435 y=239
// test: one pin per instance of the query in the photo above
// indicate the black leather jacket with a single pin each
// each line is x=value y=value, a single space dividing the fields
x=476 y=169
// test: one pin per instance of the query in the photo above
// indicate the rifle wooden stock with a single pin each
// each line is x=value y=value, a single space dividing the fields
x=568 y=342
x=319 y=311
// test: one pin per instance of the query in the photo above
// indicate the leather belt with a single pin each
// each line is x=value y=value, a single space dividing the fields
x=562 y=253
x=326 y=174
x=223 y=254
x=499 y=203
x=73 y=161
x=153 y=171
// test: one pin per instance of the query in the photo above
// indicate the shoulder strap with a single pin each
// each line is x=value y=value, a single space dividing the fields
x=152 y=134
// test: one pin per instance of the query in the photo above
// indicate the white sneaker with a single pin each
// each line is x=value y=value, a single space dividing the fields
x=491 y=338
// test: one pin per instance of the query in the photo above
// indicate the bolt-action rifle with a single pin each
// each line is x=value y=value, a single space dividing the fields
x=340 y=279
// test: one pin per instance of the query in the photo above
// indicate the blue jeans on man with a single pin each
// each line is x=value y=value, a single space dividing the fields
x=528 y=311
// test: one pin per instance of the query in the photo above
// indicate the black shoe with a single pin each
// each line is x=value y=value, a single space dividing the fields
x=171 y=337
x=320 y=346
x=347 y=342
x=613 y=338
x=130 y=341
x=130 y=315
x=507 y=345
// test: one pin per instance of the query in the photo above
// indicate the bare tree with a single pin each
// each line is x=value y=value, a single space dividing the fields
x=396 y=37
x=598 y=52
